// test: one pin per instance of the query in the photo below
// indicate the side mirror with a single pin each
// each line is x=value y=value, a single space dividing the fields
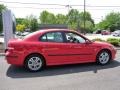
x=88 y=42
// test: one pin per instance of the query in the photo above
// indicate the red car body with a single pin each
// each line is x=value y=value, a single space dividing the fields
x=55 y=53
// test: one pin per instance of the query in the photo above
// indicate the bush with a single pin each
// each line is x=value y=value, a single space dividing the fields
x=113 y=41
x=98 y=39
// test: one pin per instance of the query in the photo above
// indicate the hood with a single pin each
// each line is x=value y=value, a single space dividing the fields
x=102 y=43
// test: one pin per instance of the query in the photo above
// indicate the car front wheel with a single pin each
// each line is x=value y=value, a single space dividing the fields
x=34 y=63
x=103 y=57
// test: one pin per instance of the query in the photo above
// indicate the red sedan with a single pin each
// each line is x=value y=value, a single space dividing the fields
x=57 y=47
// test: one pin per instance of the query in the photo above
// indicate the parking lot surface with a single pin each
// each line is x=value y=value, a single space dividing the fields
x=68 y=77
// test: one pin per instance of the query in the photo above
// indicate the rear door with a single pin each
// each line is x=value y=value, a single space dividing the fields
x=54 y=47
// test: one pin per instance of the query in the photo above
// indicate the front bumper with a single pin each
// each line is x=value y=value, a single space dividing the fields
x=114 y=51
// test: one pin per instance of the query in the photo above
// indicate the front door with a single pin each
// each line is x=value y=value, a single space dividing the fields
x=78 y=50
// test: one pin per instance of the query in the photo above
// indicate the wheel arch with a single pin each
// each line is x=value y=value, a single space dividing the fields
x=105 y=49
x=34 y=53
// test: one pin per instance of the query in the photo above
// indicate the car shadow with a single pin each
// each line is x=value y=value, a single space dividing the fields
x=19 y=72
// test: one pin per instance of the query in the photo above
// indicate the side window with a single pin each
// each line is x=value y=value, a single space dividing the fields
x=74 y=38
x=52 y=37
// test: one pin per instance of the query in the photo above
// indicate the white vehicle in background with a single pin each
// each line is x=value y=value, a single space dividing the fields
x=116 y=33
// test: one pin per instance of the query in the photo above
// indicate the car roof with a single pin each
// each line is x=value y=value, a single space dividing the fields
x=47 y=30
x=50 y=30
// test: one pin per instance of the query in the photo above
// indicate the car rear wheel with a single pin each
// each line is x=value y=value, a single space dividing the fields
x=34 y=63
x=103 y=57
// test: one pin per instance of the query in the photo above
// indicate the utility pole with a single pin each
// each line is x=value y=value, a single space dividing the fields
x=68 y=7
x=84 y=13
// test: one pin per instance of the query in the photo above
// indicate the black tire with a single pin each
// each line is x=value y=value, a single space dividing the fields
x=34 y=63
x=103 y=57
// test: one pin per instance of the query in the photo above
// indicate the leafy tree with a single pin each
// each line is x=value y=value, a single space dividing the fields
x=76 y=21
x=87 y=17
x=73 y=15
x=2 y=7
x=61 y=19
x=111 y=22
x=73 y=19
x=20 y=20
x=89 y=22
x=47 y=18
x=31 y=23
x=20 y=27
x=88 y=26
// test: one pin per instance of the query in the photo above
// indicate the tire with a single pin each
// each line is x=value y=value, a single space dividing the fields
x=34 y=63
x=103 y=57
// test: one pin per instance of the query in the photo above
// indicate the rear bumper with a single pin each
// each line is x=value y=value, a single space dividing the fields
x=14 y=58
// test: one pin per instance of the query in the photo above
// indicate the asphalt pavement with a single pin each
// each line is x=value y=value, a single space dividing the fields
x=68 y=77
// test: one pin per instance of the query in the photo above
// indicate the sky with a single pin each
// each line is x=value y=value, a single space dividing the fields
x=97 y=8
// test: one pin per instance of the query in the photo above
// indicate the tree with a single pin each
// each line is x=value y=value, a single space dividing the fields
x=20 y=27
x=76 y=21
x=88 y=26
x=20 y=20
x=89 y=22
x=61 y=19
x=31 y=23
x=73 y=19
x=47 y=18
x=111 y=22
x=2 y=7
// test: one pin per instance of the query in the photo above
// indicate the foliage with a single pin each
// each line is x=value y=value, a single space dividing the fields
x=47 y=18
x=20 y=27
x=2 y=7
x=88 y=26
x=74 y=19
x=61 y=19
x=20 y=20
x=87 y=17
x=111 y=22
x=31 y=23
x=113 y=41
x=98 y=39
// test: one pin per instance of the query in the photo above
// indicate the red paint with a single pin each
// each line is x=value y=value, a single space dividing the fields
x=55 y=53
